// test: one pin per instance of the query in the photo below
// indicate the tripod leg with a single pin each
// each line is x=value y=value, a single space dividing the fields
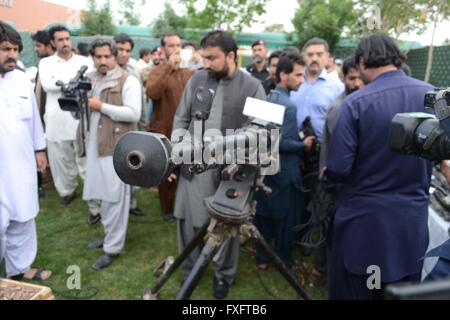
x=153 y=291
x=208 y=252
x=280 y=265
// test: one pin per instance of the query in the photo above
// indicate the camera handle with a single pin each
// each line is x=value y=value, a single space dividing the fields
x=200 y=115
x=84 y=116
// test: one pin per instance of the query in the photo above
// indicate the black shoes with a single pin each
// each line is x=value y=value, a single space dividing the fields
x=305 y=251
x=93 y=219
x=104 y=261
x=65 y=201
x=97 y=244
x=41 y=192
x=220 y=290
x=137 y=212
x=168 y=217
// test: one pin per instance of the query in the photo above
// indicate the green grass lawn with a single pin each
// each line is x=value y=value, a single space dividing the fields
x=63 y=235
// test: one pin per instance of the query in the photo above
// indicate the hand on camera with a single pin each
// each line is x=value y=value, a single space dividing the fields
x=445 y=169
x=95 y=104
x=309 y=142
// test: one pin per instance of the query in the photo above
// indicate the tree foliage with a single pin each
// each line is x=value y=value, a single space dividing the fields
x=276 y=27
x=96 y=21
x=129 y=13
x=393 y=17
x=326 y=19
x=168 y=22
x=229 y=15
x=333 y=19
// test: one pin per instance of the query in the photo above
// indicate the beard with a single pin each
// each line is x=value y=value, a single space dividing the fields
x=4 y=69
x=293 y=87
x=218 y=75
x=349 y=91
x=66 y=50
x=103 y=69
x=258 y=59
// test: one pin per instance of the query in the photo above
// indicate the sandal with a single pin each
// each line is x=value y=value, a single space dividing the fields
x=40 y=274
x=263 y=266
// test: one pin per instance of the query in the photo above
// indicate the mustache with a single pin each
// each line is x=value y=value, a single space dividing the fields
x=103 y=66
x=11 y=60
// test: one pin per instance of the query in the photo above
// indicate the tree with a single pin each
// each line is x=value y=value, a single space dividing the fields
x=326 y=19
x=393 y=17
x=168 y=22
x=277 y=27
x=96 y=21
x=438 y=11
x=228 y=15
x=129 y=13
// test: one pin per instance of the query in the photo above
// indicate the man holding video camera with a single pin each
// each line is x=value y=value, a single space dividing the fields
x=380 y=227
x=231 y=87
x=60 y=126
x=115 y=107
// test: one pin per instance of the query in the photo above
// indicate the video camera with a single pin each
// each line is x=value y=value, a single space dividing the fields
x=73 y=92
x=75 y=99
x=310 y=160
x=424 y=134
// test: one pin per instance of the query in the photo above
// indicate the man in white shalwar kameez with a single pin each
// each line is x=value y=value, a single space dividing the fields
x=22 y=152
x=60 y=130
x=115 y=109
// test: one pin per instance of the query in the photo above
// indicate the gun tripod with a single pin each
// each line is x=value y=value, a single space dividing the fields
x=225 y=222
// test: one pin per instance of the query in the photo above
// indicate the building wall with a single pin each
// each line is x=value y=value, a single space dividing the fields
x=33 y=15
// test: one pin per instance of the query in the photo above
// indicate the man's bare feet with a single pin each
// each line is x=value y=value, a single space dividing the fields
x=37 y=274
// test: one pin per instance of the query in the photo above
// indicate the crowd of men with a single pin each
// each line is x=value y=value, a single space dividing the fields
x=334 y=146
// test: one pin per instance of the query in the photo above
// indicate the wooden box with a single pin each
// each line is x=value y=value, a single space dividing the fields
x=24 y=291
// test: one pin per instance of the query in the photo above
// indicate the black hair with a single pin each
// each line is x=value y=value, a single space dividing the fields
x=144 y=52
x=83 y=48
x=292 y=49
x=406 y=69
x=55 y=29
x=349 y=63
x=163 y=41
x=102 y=42
x=286 y=63
x=189 y=44
x=42 y=36
x=154 y=49
x=7 y=33
x=258 y=43
x=378 y=50
x=124 y=38
x=275 y=54
x=221 y=39
x=316 y=41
